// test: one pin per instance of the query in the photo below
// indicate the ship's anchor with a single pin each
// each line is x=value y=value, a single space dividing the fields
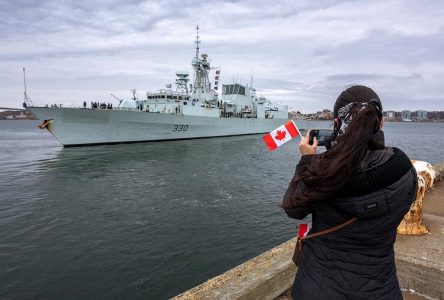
x=44 y=124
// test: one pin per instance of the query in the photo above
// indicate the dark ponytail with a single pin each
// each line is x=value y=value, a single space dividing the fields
x=328 y=172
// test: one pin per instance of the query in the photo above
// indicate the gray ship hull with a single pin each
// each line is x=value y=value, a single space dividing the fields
x=76 y=127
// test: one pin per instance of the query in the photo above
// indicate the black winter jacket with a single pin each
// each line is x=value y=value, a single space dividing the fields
x=357 y=261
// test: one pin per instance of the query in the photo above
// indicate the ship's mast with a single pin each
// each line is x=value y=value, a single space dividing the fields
x=201 y=67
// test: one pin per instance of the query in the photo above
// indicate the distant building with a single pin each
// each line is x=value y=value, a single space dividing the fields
x=406 y=115
x=326 y=114
x=390 y=115
x=421 y=115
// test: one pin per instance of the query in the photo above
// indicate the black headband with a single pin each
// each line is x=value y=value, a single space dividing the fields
x=377 y=105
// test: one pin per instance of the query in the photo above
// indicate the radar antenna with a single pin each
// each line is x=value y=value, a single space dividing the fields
x=182 y=82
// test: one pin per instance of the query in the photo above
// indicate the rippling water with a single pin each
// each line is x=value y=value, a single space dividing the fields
x=150 y=220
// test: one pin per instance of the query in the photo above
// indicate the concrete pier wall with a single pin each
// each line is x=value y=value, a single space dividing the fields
x=419 y=262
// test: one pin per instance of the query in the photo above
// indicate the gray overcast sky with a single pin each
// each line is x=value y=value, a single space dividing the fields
x=301 y=53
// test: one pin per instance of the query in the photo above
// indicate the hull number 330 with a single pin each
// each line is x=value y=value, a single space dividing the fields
x=180 y=128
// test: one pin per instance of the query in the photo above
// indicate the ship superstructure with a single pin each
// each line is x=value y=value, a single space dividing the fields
x=191 y=110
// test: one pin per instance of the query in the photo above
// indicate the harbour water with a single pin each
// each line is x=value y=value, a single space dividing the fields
x=149 y=220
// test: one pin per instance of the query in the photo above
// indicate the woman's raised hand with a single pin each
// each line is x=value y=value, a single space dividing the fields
x=305 y=148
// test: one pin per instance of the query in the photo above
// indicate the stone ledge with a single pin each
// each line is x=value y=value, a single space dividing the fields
x=263 y=277
x=419 y=259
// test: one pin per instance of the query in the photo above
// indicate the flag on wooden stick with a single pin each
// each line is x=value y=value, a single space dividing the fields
x=281 y=135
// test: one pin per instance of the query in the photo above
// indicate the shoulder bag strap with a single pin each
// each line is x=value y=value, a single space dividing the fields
x=329 y=229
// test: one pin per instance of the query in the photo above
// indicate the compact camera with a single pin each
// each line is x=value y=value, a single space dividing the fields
x=322 y=135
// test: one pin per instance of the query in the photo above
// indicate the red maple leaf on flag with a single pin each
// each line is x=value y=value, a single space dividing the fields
x=280 y=135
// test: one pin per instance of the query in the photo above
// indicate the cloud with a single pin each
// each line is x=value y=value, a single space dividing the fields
x=301 y=53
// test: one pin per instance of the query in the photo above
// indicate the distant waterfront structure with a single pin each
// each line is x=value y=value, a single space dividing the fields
x=406 y=115
x=390 y=115
x=294 y=114
x=14 y=114
x=325 y=114
x=421 y=115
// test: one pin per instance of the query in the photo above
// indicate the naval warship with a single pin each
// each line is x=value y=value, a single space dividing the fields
x=191 y=110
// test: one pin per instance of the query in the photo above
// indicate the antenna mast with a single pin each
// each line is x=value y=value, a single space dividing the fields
x=197 y=41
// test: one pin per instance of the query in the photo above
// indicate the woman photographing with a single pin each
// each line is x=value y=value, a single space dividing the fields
x=358 y=182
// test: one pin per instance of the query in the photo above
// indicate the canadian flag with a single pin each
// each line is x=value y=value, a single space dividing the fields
x=281 y=135
x=304 y=229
